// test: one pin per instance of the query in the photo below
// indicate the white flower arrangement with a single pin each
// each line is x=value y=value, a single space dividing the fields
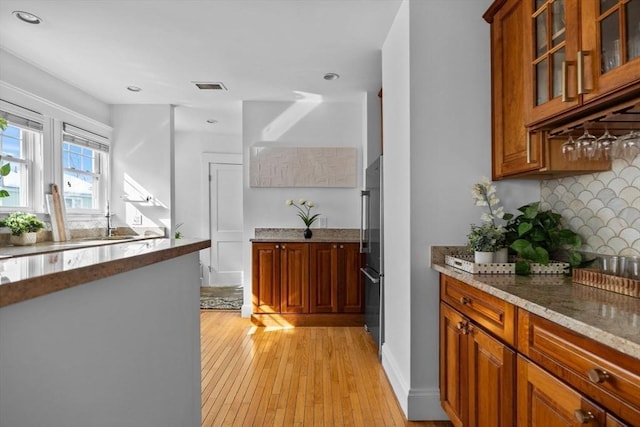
x=304 y=210
x=490 y=236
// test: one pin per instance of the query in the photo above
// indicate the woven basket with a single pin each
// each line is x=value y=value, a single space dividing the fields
x=608 y=282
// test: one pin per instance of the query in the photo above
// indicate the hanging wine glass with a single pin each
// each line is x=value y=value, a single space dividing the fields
x=630 y=145
x=587 y=145
x=605 y=145
x=570 y=150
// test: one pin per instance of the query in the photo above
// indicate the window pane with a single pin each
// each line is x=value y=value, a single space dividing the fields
x=606 y=5
x=12 y=139
x=542 y=83
x=633 y=29
x=79 y=190
x=557 y=16
x=78 y=158
x=558 y=59
x=16 y=183
x=609 y=33
x=541 y=34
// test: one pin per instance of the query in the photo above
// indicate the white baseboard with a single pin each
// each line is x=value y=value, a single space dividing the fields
x=418 y=404
x=246 y=310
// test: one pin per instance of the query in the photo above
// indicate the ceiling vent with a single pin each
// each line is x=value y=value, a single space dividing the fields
x=210 y=85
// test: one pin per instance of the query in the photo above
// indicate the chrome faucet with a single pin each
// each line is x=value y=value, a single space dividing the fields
x=110 y=228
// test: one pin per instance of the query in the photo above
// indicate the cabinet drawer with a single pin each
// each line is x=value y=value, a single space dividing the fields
x=606 y=375
x=492 y=313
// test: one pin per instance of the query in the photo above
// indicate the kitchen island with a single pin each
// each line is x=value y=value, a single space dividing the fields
x=102 y=336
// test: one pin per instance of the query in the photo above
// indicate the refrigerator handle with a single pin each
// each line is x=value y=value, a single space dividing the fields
x=364 y=221
x=370 y=277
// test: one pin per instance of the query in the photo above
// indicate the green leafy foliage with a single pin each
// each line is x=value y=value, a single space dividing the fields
x=6 y=168
x=537 y=235
x=22 y=222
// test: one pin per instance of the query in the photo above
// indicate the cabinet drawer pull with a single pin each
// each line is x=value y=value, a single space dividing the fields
x=583 y=417
x=598 y=376
x=465 y=300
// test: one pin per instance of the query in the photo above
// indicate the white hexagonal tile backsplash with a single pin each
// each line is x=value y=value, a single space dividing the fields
x=604 y=208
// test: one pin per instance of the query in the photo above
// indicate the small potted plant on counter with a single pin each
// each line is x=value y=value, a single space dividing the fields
x=23 y=226
x=485 y=240
x=304 y=212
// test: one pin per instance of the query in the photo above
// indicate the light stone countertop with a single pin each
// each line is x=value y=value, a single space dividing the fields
x=607 y=317
x=320 y=235
x=30 y=276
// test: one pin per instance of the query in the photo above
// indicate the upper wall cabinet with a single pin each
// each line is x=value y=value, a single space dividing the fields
x=580 y=53
x=531 y=83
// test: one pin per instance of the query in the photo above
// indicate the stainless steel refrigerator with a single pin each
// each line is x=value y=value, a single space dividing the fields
x=371 y=244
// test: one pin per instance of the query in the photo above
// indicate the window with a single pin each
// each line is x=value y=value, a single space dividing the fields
x=21 y=147
x=85 y=158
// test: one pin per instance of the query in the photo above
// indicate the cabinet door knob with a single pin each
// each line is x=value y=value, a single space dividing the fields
x=464 y=300
x=461 y=326
x=341 y=246
x=277 y=246
x=598 y=375
x=335 y=246
x=583 y=417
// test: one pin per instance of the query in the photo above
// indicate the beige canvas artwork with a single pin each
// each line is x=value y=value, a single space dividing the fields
x=303 y=167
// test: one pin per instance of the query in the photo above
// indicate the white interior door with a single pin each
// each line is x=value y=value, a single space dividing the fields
x=225 y=215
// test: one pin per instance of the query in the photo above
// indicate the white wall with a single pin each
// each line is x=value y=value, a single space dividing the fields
x=190 y=176
x=325 y=124
x=22 y=76
x=142 y=164
x=436 y=121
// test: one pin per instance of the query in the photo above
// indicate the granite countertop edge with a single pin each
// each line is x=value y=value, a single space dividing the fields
x=38 y=284
x=556 y=298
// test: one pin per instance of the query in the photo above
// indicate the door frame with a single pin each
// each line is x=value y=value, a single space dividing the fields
x=205 y=203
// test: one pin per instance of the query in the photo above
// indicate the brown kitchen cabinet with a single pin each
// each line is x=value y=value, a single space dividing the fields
x=540 y=373
x=307 y=283
x=579 y=52
x=608 y=377
x=477 y=371
x=518 y=150
x=335 y=278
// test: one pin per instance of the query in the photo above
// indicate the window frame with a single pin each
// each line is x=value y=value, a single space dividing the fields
x=33 y=159
x=101 y=147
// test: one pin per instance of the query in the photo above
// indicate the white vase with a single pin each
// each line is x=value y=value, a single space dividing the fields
x=501 y=255
x=483 y=257
x=24 y=239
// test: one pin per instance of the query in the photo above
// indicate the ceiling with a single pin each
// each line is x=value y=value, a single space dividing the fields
x=259 y=49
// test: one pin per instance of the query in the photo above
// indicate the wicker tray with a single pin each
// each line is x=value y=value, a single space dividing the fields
x=465 y=263
x=608 y=282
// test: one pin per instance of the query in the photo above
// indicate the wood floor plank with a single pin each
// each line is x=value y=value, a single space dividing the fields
x=304 y=376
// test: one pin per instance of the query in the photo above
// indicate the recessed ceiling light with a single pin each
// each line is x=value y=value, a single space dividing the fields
x=212 y=121
x=134 y=88
x=331 y=76
x=27 y=17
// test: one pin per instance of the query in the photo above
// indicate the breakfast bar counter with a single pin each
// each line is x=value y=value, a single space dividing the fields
x=54 y=267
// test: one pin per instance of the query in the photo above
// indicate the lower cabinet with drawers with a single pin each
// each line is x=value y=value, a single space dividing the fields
x=307 y=283
x=539 y=373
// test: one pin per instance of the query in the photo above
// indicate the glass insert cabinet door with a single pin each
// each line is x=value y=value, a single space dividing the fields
x=619 y=32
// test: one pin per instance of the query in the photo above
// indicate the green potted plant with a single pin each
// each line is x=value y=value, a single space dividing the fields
x=484 y=240
x=536 y=235
x=23 y=226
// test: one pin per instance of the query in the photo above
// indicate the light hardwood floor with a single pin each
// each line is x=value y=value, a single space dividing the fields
x=309 y=376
